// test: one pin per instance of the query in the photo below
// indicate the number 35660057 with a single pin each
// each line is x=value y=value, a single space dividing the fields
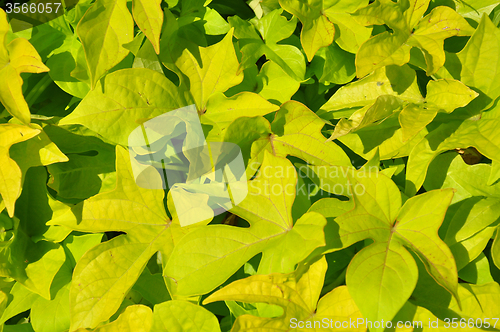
x=32 y=8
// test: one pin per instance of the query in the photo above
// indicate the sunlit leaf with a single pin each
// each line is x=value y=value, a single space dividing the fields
x=103 y=30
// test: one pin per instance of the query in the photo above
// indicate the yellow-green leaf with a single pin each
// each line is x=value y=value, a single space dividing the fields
x=291 y=137
x=429 y=35
x=103 y=30
x=183 y=316
x=377 y=214
x=135 y=318
x=480 y=61
x=19 y=56
x=409 y=30
x=388 y=274
x=126 y=97
x=297 y=293
x=222 y=111
x=217 y=72
x=11 y=94
x=447 y=95
x=383 y=107
x=10 y=173
x=413 y=118
x=105 y=274
x=317 y=30
x=349 y=34
x=149 y=17
x=4 y=28
x=396 y=81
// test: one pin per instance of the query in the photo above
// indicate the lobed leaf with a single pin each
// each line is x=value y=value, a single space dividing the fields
x=103 y=30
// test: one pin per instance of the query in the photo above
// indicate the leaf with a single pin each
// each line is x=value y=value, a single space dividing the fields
x=449 y=170
x=135 y=318
x=149 y=17
x=377 y=215
x=34 y=265
x=237 y=133
x=178 y=36
x=90 y=168
x=349 y=34
x=193 y=5
x=451 y=135
x=4 y=28
x=63 y=63
x=128 y=208
x=473 y=216
x=330 y=208
x=78 y=245
x=253 y=45
x=388 y=274
x=444 y=95
x=147 y=58
x=10 y=173
x=495 y=173
x=36 y=151
x=427 y=33
x=441 y=23
x=183 y=316
x=317 y=30
x=480 y=63
x=103 y=30
x=152 y=287
x=387 y=137
x=292 y=137
x=222 y=111
x=274 y=27
x=297 y=293
x=217 y=72
x=477 y=272
x=477 y=302
x=418 y=228
x=448 y=94
x=268 y=209
x=42 y=151
x=495 y=250
x=148 y=94
x=51 y=315
x=215 y=24
x=308 y=231
x=35 y=207
x=322 y=20
x=467 y=250
x=277 y=86
x=383 y=107
x=22 y=300
x=397 y=81
x=474 y=9
x=16 y=57
x=414 y=118
x=334 y=65
x=124 y=261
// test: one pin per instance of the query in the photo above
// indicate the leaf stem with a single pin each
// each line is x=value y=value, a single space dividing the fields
x=38 y=89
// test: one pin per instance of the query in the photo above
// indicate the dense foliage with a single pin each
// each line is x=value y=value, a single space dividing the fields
x=370 y=131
